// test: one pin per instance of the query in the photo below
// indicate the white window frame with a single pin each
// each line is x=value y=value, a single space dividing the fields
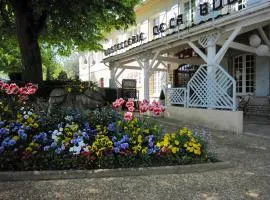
x=244 y=74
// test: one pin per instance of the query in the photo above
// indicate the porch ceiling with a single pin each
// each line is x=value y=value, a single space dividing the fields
x=249 y=19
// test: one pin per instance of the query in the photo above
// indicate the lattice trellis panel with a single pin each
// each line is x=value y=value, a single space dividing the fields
x=177 y=96
x=211 y=87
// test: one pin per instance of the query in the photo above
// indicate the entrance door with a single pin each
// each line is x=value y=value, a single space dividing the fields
x=244 y=73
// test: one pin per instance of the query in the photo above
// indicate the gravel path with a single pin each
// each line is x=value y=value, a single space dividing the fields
x=248 y=179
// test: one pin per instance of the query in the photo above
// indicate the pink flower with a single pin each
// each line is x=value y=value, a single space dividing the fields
x=31 y=91
x=116 y=104
x=31 y=88
x=128 y=116
x=143 y=108
x=23 y=91
x=150 y=107
x=145 y=101
x=131 y=109
x=121 y=101
x=12 y=89
x=130 y=104
x=4 y=86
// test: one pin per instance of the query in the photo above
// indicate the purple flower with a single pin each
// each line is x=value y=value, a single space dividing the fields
x=85 y=135
x=112 y=127
x=124 y=146
x=58 y=150
x=11 y=142
x=46 y=148
x=53 y=144
x=116 y=149
x=22 y=134
x=2 y=149
x=3 y=131
x=114 y=138
x=2 y=124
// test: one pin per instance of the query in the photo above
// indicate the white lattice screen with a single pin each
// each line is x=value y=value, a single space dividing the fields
x=211 y=87
x=177 y=96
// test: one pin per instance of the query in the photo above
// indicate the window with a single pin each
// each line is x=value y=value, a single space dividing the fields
x=241 y=4
x=144 y=29
x=244 y=73
x=189 y=12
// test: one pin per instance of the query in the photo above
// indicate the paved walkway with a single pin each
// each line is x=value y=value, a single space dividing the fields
x=248 y=179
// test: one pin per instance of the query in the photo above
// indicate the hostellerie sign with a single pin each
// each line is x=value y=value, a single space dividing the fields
x=204 y=12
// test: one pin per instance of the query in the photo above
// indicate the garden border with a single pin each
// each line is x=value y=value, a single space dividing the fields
x=106 y=173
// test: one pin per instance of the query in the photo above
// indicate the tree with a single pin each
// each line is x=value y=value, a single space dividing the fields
x=65 y=24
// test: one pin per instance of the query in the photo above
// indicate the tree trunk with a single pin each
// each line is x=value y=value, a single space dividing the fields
x=27 y=35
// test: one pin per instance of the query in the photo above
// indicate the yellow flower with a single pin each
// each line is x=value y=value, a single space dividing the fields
x=29 y=149
x=176 y=142
x=158 y=144
x=19 y=116
x=175 y=149
x=35 y=125
x=30 y=120
x=16 y=138
x=144 y=151
x=140 y=139
x=146 y=131
x=66 y=140
x=166 y=143
x=69 y=133
x=173 y=135
x=185 y=145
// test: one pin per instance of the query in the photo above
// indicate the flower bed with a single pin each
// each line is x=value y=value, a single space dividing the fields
x=94 y=139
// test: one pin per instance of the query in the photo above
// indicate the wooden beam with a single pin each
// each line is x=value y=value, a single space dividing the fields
x=198 y=51
x=193 y=61
x=122 y=70
x=154 y=59
x=240 y=47
x=264 y=37
x=219 y=56
x=138 y=68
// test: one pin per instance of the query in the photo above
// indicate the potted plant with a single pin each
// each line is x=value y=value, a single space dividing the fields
x=162 y=98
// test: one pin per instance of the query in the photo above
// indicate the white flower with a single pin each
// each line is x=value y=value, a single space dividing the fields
x=75 y=150
x=81 y=144
x=86 y=149
x=55 y=137
x=29 y=113
x=25 y=116
x=61 y=129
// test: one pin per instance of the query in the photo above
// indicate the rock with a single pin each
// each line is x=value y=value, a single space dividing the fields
x=90 y=99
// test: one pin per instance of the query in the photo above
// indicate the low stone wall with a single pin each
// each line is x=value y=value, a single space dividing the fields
x=214 y=119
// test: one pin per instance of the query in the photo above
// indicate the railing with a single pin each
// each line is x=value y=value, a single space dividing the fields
x=177 y=96
x=211 y=87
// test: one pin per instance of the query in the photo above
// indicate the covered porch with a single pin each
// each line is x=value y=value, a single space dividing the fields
x=233 y=56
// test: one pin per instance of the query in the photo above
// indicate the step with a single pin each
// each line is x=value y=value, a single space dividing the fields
x=258 y=110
